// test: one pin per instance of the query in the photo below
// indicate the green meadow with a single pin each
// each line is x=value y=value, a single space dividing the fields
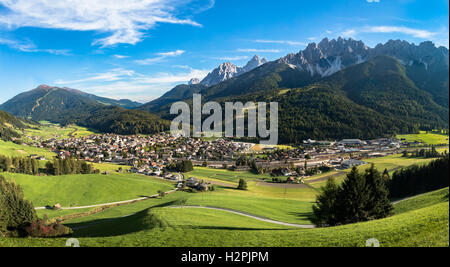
x=47 y=130
x=90 y=189
x=11 y=149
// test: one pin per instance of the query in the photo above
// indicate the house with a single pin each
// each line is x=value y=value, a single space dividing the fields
x=286 y=172
x=351 y=142
x=192 y=182
x=351 y=162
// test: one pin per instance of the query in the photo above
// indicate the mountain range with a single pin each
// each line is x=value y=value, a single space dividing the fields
x=337 y=88
x=67 y=106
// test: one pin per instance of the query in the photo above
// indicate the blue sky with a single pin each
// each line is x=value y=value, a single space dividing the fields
x=139 y=49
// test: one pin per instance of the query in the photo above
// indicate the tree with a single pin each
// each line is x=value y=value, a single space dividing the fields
x=16 y=213
x=361 y=197
x=325 y=203
x=242 y=184
x=378 y=203
x=386 y=176
x=352 y=200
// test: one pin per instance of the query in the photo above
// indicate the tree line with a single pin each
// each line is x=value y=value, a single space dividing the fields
x=181 y=166
x=31 y=166
x=424 y=153
x=420 y=179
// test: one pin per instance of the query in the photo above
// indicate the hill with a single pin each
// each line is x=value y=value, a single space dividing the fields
x=9 y=126
x=67 y=106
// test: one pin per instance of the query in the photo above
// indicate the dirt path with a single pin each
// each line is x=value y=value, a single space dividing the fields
x=38 y=102
x=111 y=203
x=307 y=226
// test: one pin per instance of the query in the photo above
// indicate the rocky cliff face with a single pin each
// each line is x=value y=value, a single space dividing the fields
x=228 y=70
x=328 y=57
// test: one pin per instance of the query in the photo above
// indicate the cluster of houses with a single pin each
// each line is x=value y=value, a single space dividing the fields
x=149 y=155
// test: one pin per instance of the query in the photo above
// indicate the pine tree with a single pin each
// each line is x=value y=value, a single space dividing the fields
x=325 y=204
x=351 y=204
x=378 y=205
x=15 y=212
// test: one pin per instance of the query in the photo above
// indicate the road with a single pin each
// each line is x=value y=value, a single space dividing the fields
x=109 y=204
x=308 y=226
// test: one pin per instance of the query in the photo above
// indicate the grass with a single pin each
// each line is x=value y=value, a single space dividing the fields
x=425 y=200
x=224 y=175
x=393 y=162
x=426 y=137
x=11 y=149
x=195 y=227
x=91 y=189
x=49 y=130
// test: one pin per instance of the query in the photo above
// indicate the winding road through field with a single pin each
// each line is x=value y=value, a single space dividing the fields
x=309 y=226
x=109 y=204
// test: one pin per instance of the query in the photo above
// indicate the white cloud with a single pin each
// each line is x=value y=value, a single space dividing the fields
x=281 y=42
x=349 y=33
x=161 y=56
x=247 y=50
x=120 y=56
x=171 y=53
x=405 y=30
x=31 y=48
x=126 y=20
x=122 y=83
x=112 y=75
x=233 y=58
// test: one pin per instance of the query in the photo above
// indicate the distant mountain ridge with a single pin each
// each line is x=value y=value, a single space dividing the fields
x=222 y=73
x=65 y=106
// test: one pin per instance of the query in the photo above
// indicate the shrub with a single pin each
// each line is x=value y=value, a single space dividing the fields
x=40 y=228
x=242 y=184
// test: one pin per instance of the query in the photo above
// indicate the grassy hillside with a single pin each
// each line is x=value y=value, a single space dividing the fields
x=426 y=226
x=423 y=201
x=425 y=137
x=80 y=190
x=14 y=150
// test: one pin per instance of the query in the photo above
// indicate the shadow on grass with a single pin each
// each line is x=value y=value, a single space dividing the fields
x=309 y=216
x=239 y=228
x=142 y=220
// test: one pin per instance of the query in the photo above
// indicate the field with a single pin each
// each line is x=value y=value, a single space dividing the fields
x=91 y=189
x=393 y=162
x=49 y=130
x=11 y=149
x=426 y=137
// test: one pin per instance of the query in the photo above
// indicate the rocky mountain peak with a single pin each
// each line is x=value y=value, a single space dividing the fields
x=255 y=62
x=228 y=70
x=329 y=56
x=194 y=81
